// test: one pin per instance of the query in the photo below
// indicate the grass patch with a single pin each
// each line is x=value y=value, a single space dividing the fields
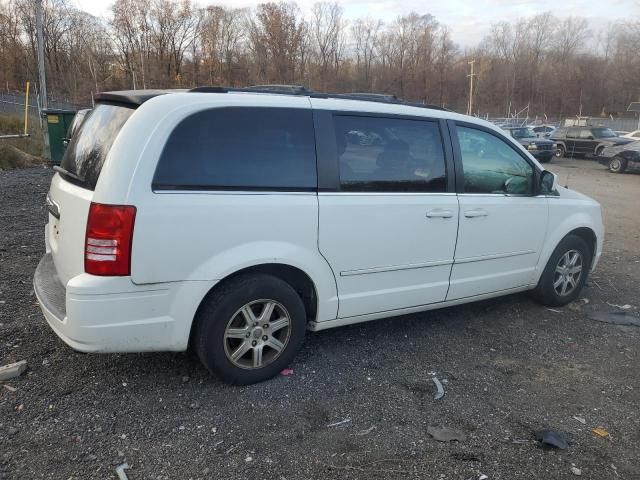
x=12 y=157
x=20 y=152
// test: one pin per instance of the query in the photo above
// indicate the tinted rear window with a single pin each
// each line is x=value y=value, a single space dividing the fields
x=90 y=145
x=603 y=133
x=572 y=133
x=240 y=148
x=389 y=154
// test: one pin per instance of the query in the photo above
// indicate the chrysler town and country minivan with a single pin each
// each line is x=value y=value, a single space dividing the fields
x=232 y=221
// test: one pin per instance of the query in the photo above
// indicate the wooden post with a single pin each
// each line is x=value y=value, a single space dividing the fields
x=26 y=110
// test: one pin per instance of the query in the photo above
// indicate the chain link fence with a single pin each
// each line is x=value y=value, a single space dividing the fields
x=626 y=124
x=13 y=104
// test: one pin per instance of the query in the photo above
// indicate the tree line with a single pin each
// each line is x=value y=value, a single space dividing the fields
x=545 y=64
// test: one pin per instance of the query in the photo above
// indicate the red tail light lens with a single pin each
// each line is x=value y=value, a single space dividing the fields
x=107 y=250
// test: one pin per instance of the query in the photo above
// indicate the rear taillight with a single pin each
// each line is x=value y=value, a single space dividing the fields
x=107 y=249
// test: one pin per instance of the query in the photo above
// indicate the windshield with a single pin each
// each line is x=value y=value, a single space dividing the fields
x=603 y=132
x=90 y=145
x=523 y=132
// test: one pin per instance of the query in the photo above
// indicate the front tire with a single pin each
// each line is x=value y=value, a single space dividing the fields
x=560 y=151
x=617 y=164
x=565 y=273
x=249 y=328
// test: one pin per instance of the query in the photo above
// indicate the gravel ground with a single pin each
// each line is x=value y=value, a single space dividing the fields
x=509 y=368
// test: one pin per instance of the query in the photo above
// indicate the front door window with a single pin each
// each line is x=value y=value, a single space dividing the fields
x=491 y=165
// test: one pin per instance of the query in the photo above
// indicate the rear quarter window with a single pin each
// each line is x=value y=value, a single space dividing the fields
x=84 y=158
x=237 y=148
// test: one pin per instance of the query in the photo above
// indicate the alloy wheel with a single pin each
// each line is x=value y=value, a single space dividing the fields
x=257 y=334
x=568 y=273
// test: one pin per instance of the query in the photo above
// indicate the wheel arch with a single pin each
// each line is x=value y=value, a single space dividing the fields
x=583 y=231
x=298 y=279
x=599 y=148
x=588 y=235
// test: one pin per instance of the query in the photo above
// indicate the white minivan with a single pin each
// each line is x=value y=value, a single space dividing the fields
x=233 y=220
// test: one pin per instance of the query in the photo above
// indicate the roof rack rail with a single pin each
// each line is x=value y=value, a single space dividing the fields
x=380 y=98
x=278 y=88
x=376 y=97
x=282 y=89
x=210 y=89
x=426 y=105
x=301 y=90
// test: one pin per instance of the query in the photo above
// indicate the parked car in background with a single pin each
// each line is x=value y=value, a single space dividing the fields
x=544 y=131
x=635 y=135
x=619 y=158
x=541 y=148
x=582 y=141
x=232 y=221
x=75 y=125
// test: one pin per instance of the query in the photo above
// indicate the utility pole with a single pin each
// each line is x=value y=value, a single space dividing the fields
x=42 y=73
x=471 y=75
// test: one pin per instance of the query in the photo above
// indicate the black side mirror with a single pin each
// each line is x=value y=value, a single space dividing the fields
x=548 y=182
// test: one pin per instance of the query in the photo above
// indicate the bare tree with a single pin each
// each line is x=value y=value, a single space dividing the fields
x=570 y=36
x=326 y=28
x=222 y=34
x=556 y=66
x=365 y=33
x=446 y=52
x=276 y=38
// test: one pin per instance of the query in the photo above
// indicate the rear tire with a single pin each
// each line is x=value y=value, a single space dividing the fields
x=249 y=328
x=565 y=273
x=617 y=164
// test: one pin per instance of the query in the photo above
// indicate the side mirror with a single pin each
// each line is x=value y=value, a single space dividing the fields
x=548 y=182
x=591 y=137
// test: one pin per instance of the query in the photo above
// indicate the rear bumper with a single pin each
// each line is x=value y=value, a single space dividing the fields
x=112 y=314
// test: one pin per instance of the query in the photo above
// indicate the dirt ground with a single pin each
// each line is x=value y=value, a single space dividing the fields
x=509 y=367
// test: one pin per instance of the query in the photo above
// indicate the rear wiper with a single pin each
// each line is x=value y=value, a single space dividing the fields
x=63 y=171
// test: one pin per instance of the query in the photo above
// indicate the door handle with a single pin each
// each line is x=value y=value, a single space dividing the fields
x=439 y=213
x=476 y=212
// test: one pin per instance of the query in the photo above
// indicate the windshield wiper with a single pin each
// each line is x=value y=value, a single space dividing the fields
x=66 y=172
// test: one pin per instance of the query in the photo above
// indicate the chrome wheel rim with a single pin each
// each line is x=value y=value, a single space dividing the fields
x=257 y=334
x=614 y=165
x=568 y=273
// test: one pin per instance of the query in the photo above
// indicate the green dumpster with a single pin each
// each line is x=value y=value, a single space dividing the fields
x=58 y=122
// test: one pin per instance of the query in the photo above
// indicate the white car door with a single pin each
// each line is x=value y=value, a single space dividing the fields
x=389 y=228
x=502 y=224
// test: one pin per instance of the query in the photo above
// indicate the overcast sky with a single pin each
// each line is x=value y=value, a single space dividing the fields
x=468 y=20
